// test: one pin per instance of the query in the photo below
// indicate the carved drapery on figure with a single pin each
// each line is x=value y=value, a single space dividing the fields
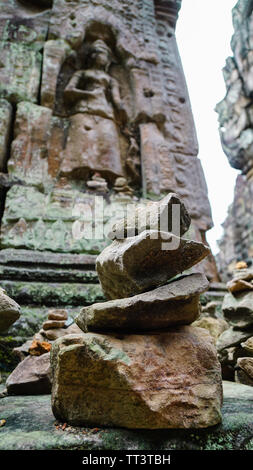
x=94 y=102
x=93 y=143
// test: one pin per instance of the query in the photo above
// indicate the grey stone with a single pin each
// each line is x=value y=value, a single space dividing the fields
x=238 y=309
x=150 y=259
x=232 y=337
x=154 y=216
x=176 y=303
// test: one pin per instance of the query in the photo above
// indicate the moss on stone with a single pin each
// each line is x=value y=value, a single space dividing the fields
x=53 y=294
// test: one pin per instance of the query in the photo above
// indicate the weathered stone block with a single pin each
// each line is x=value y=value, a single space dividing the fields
x=136 y=264
x=32 y=376
x=238 y=310
x=176 y=303
x=165 y=380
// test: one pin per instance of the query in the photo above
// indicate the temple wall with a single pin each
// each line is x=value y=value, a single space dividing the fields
x=236 y=132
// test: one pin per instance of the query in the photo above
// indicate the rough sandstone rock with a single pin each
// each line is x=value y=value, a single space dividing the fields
x=239 y=285
x=56 y=333
x=9 y=311
x=38 y=348
x=215 y=326
x=57 y=314
x=238 y=310
x=136 y=264
x=248 y=345
x=32 y=376
x=176 y=303
x=150 y=217
x=51 y=324
x=165 y=380
x=232 y=338
x=246 y=364
x=244 y=371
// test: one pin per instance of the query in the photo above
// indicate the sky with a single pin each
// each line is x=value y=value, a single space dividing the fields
x=204 y=31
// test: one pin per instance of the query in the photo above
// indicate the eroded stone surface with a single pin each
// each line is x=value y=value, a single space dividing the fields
x=238 y=309
x=32 y=376
x=103 y=380
x=235 y=126
x=174 y=304
x=9 y=311
x=136 y=264
x=215 y=326
x=156 y=216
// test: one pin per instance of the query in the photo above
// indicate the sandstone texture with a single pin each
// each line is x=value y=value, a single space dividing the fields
x=244 y=371
x=236 y=133
x=139 y=263
x=155 y=216
x=165 y=380
x=30 y=425
x=32 y=376
x=9 y=311
x=238 y=310
x=248 y=345
x=215 y=326
x=173 y=304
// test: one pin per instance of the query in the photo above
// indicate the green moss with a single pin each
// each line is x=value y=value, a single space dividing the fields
x=8 y=360
x=53 y=294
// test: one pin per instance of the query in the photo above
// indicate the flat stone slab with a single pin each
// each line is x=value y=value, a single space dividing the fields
x=176 y=303
x=30 y=425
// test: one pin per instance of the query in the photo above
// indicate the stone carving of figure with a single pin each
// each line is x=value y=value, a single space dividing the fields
x=94 y=96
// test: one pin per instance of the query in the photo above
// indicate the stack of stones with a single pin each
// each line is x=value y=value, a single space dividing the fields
x=54 y=326
x=33 y=374
x=235 y=344
x=139 y=363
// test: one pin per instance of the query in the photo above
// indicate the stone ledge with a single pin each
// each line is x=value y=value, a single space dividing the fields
x=30 y=425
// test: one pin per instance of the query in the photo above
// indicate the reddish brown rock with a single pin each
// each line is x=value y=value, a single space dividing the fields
x=38 y=348
x=57 y=314
x=32 y=376
x=51 y=324
x=165 y=380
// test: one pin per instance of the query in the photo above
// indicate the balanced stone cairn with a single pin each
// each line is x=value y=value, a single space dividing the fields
x=139 y=363
x=32 y=375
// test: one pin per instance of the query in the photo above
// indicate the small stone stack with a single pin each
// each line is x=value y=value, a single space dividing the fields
x=140 y=364
x=54 y=326
x=33 y=374
x=234 y=353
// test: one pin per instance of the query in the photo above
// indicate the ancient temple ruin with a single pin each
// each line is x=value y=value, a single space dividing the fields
x=236 y=120
x=99 y=330
x=93 y=103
